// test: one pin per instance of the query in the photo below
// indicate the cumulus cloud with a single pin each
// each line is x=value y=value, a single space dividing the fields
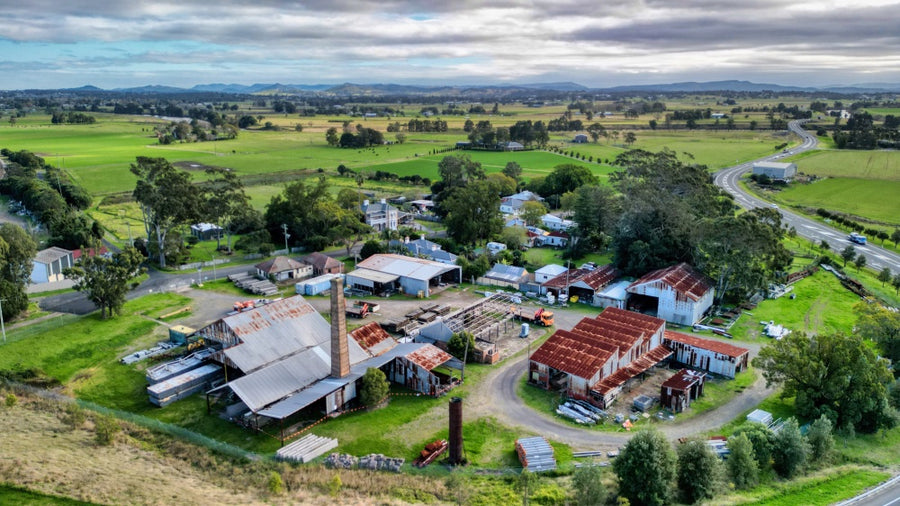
x=599 y=44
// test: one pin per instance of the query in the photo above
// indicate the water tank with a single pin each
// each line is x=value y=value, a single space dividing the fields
x=525 y=330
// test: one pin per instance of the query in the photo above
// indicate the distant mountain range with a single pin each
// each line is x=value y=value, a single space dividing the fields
x=448 y=90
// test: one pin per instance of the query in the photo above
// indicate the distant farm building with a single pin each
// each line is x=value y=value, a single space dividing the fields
x=677 y=392
x=580 y=139
x=707 y=354
x=283 y=268
x=599 y=356
x=206 y=231
x=778 y=171
x=48 y=265
x=678 y=294
x=412 y=276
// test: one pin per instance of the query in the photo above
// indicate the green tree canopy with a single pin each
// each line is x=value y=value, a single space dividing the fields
x=789 y=450
x=830 y=374
x=699 y=471
x=761 y=438
x=373 y=387
x=106 y=280
x=741 y=463
x=473 y=213
x=882 y=326
x=587 y=486
x=821 y=440
x=17 y=251
x=462 y=344
x=646 y=468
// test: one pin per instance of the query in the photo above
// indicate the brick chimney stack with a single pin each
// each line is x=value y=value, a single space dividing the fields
x=340 y=354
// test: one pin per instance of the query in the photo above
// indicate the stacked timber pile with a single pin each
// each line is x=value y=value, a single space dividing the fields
x=431 y=452
x=441 y=309
x=535 y=454
x=306 y=448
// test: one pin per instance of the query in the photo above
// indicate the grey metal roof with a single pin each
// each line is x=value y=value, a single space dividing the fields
x=301 y=397
x=551 y=270
x=437 y=331
x=370 y=275
x=46 y=256
x=277 y=330
x=615 y=291
x=509 y=273
x=408 y=267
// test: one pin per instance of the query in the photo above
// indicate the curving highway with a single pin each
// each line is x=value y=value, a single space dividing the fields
x=728 y=179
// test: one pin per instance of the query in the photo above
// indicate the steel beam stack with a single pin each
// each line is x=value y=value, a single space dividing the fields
x=535 y=454
x=306 y=448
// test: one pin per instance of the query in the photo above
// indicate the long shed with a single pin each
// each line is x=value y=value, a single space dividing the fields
x=707 y=354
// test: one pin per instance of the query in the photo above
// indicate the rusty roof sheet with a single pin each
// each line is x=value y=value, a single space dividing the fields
x=373 y=338
x=647 y=323
x=706 y=344
x=683 y=379
x=573 y=354
x=682 y=278
x=560 y=280
x=600 y=277
x=428 y=357
x=644 y=362
x=623 y=338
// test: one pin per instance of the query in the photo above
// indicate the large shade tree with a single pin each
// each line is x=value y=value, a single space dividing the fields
x=646 y=468
x=835 y=375
x=106 y=280
x=17 y=251
x=167 y=199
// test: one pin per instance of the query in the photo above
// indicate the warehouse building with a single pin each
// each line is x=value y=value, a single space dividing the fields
x=778 y=171
x=599 y=356
x=707 y=354
x=502 y=275
x=678 y=294
x=413 y=276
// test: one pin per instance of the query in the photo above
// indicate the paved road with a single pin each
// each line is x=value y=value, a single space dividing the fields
x=504 y=403
x=728 y=179
x=886 y=494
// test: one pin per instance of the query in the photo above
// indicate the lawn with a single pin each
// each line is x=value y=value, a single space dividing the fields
x=11 y=494
x=881 y=165
x=821 y=305
x=875 y=199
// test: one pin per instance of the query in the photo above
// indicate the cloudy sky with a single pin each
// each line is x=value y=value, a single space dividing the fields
x=116 y=43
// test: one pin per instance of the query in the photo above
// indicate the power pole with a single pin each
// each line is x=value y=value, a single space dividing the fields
x=2 y=326
x=286 y=237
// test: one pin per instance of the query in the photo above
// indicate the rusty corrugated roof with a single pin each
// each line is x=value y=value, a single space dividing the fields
x=624 y=317
x=560 y=280
x=572 y=353
x=682 y=278
x=428 y=357
x=370 y=336
x=683 y=379
x=600 y=277
x=644 y=362
x=706 y=344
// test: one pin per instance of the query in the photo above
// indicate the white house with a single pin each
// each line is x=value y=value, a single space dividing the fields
x=775 y=170
x=548 y=272
x=513 y=203
x=556 y=238
x=678 y=294
x=553 y=222
x=381 y=216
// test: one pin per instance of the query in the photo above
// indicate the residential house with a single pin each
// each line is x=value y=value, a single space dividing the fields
x=553 y=222
x=495 y=247
x=206 y=231
x=323 y=264
x=511 y=204
x=423 y=248
x=380 y=215
x=283 y=268
x=555 y=239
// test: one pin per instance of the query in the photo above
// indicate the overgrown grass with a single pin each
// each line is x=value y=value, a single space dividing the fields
x=21 y=496
x=826 y=487
x=869 y=198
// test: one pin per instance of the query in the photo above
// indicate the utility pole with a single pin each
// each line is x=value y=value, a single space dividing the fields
x=286 y=237
x=2 y=325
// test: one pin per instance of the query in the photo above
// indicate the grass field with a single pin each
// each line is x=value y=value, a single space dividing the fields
x=11 y=494
x=875 y=199
x=826 y=487
x=822 y=305
x=881 y=165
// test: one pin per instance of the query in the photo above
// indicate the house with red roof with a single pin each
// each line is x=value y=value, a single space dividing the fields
x=678 y=294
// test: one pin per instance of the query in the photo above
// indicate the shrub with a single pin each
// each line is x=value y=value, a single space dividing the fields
x=11 y=400
x=276 y=484
x=105 y=429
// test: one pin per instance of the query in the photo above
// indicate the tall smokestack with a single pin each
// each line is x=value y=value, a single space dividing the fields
x=340 y=354
x=456 y=435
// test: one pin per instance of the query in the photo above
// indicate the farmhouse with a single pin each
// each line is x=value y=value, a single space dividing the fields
x=556 y=238
x=380 y=216
x=678 y=294
x=502 y=275
x=206 y=231
x=49 y=263
x=414 y=276
x=511 y=204
x=677 y=392
x=778 y=171
x=707 y=354
x=282 y=268
x=323 y=264
x=599 y=356
x=285 y=357
x=553 y=222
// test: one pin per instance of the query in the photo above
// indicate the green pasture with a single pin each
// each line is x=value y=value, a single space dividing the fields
x=827 y=487
x=821 y=305
x=870 y=198
x=21 y=496
x=880 y=165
